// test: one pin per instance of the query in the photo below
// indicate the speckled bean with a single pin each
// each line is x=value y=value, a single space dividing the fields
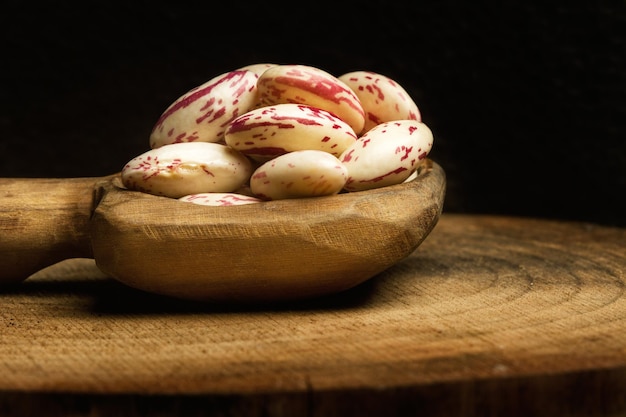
x=382 y=98
x=187 y=168
x=220 y=199
x=312 y=86
x=203 y=113
x=267 y=132
x=386 y=155
x=299 y=174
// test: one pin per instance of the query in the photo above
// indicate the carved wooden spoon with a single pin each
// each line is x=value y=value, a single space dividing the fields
x=273 y=250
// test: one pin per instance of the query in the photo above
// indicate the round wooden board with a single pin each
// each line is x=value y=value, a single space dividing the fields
x=489 y=313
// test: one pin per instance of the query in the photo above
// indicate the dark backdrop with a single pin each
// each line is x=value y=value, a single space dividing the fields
x=526 y=101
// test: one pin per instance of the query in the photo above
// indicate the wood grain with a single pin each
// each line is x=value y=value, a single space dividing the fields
x=277 y=250
x=490 y=315
x=43 y=221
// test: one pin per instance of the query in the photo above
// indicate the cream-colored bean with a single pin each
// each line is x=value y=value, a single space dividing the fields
x=299 y=174
x=382 y=98
x=268 y=125
x=412 y=176
x=267 y=132
x=386 y=155
x=220 y=199
x=187 y=168
x=311 y=86
x=203 y=113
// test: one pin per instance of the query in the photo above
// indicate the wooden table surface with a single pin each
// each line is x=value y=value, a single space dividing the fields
x=490 y=315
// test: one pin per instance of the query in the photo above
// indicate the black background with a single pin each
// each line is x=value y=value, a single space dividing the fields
x=526 y=101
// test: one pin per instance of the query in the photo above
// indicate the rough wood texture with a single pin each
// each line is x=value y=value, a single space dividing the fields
x=490 y=315
x=43 y=221
x=276 y=250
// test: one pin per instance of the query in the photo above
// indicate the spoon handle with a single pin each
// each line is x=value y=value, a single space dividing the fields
x=42 y=222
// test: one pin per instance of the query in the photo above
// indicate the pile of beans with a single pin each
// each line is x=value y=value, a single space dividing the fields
x=269 y=131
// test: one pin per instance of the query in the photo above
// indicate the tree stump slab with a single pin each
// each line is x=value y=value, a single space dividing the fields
x=490 y=314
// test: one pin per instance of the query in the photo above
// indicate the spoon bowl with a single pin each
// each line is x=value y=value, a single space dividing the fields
x=274 y=250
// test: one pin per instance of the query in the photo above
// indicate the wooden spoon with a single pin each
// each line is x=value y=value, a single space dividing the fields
x=273 y=250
